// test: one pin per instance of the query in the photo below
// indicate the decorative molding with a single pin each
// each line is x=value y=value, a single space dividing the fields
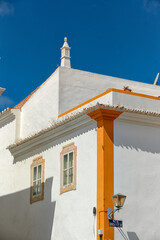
x=105 y=93
x=71 y=122
x=104 y=114
x=139 y=119
x=51 y=135
x=6 y=116
x=9 y=115
x=65 y=54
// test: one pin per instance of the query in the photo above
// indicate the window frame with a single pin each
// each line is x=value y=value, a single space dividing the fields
x=66 y=150
x=36 y=162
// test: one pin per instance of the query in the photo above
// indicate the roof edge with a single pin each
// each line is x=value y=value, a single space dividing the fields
x=67 y=119
x=21 y=104
x=106 y=92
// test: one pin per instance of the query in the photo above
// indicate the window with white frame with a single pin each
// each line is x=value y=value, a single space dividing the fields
x=68 y=168
x=37 y=179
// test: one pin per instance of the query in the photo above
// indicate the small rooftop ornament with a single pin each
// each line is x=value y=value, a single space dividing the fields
x=65 y=54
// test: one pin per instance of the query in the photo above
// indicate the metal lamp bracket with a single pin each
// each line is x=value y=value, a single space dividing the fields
x=110 y=213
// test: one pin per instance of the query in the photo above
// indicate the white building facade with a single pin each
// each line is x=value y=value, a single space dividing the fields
x=69 y=146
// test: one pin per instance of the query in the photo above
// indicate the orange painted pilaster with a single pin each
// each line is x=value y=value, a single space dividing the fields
x=105 y=168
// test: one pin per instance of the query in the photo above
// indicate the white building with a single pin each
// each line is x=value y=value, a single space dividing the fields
x=69 y=146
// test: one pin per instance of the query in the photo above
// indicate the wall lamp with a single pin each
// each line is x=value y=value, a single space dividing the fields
x=118 y=201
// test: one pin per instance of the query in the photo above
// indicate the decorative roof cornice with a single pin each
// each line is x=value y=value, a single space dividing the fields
x=4 y=111
x=39 y=140
x=8 y=115
x=62 y=126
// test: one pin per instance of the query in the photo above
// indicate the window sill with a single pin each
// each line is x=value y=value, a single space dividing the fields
x=67 y=189
x=37 y=198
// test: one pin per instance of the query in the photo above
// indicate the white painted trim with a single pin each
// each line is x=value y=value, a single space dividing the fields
x=18 y=123
x=6 y=116
x=139 y=119
x=65 y=57
x=76 y=117
x=47 y=137
x=9 y=115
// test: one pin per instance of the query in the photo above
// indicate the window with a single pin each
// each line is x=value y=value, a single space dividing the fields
x=37 y=180
x=68 y=168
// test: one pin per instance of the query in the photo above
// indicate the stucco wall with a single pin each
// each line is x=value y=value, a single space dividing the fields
x=74 y=210
x=136 y=102
x=70 y=215
x=7 y=136
x=137 y=168
x=67 y=88
x=78 y=86
x=65 y=216
x=42 y=108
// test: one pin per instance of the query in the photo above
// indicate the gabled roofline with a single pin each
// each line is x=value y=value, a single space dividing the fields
x=20 y=105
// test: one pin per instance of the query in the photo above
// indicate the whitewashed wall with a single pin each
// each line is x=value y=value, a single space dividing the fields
x=70 y=215
x=136 y=102
x=67 y=88
x=74 y=210
x=7 y=173
x=137 y=175
x=78 y=86
x=42 y=108
x=65 y=216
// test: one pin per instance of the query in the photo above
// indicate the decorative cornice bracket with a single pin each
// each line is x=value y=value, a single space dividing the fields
x=104 y=114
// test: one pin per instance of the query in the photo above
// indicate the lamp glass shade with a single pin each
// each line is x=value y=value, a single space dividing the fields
x=118 y=200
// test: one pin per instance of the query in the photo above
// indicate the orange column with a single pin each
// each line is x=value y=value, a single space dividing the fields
x=105 y=168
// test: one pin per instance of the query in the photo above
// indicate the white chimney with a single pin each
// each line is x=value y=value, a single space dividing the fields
x=65 y=55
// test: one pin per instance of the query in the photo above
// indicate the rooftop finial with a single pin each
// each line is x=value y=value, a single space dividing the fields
x=65 y=54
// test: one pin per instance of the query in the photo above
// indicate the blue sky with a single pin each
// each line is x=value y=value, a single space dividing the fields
x=113 y=37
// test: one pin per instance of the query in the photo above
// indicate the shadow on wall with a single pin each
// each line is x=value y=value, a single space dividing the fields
x=21 y=220
x=138 y=137
x=44 y=147
x=8 y=121
x=132 y=236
